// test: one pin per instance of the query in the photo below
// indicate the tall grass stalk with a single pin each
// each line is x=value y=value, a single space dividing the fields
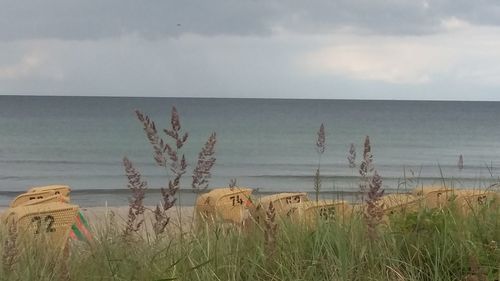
x=374 y=210
x=460 y=163
x=168 y=156
x=320 y=149
x=351 y=160
x=270 y=232
x=366 y=167
x=351 y=156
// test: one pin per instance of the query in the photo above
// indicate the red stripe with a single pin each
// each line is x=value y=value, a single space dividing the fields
x=72 y=235
x=83 y=229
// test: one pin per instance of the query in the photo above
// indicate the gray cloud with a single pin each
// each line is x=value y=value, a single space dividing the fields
x=97 y=19
x=439 y=49
x=253 y=66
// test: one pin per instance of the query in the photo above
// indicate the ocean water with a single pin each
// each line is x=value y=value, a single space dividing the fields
x=265 y=144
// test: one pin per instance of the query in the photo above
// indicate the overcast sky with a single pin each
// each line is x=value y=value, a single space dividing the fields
x=362 y=49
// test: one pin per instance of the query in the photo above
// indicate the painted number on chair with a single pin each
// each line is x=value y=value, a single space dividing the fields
x=44 y=224
x=327 y=213
x=236 y=200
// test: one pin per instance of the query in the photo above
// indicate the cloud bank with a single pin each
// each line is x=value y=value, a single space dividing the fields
x=319 y=49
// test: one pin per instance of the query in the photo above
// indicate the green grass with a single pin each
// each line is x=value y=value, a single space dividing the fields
x=428 y=245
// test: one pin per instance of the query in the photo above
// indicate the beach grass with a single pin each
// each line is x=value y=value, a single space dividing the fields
x=439 y=244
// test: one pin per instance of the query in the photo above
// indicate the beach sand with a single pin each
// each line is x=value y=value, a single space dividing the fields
x=98 y=217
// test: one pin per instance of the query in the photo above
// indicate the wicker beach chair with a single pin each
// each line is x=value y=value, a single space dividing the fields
x=48 y=223
x=224 y=204
x=284 y=204
x=470 y=200
x=465 y=199
x=435 y=196
x=400 y=203
x=38 y=194
x=326 y=210
x=51 y=205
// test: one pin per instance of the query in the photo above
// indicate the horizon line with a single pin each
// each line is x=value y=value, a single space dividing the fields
x=243 y=98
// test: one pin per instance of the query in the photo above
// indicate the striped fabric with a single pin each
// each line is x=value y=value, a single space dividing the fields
x=80 y=229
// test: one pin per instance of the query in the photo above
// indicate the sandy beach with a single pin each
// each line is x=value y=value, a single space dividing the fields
x=100 y=218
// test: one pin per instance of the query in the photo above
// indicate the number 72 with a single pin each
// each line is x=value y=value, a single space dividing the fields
x=49 y=221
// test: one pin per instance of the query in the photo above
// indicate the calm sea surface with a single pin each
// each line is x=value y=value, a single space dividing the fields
x=264 y=144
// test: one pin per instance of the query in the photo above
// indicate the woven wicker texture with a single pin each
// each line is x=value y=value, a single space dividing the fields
x=284 y=204
x=327 y=210
x=400 y=203
x=224 y=204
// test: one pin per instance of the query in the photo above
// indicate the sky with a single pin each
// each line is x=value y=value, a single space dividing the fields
x=337 y=49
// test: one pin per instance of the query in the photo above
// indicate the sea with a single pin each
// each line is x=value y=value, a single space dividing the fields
x=265 y=144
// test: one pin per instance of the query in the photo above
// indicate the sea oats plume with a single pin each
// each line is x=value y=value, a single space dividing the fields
x=168 y=201
x=177 y=166
x=374 y=209
x=366 y=166
x=232 y=183
x=321 y=140
x=270 y=231
x=320 y=149
x=175 y=131
x=136 y=204
x=206 y=160
x=351 y=157
x=155 y=140
x=460 y=163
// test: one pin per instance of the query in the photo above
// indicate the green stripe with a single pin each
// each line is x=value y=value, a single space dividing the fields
x=77 y=232
x=84 y=221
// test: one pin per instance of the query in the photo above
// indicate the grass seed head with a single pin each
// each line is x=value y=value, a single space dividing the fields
x=136 y=203
x=232 y=184
x=270 y=231
x=155 y=140
x=374 y=210
x=321 y=140
x=206 y=160
x=351 y=157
